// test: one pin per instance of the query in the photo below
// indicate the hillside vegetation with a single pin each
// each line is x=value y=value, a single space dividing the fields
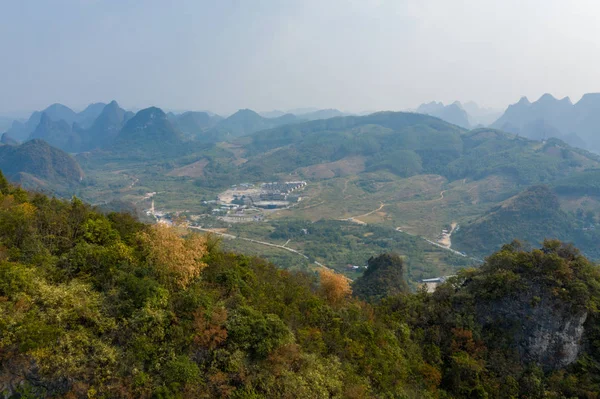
x=407 y=145
x=531 y=216
x=35 y=164
x=95 y=305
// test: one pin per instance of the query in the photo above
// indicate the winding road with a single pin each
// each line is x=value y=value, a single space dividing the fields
x=232 y=237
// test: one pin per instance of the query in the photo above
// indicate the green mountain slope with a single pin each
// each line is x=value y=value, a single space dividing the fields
x=193 y=123
x=149 y=132
x=531 y=216
x=36 y=164
x=410 y=144
x=384 y=277
x=106 y=127
x=244 y=122
x=102 y=305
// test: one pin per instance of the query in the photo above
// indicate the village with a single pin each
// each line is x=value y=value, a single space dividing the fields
x=243 y=203
x=248 y=202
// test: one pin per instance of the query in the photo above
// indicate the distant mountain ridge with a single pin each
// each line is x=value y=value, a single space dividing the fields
x=56 y=133
x=405 y=144
x=193 y=123
x=577 y=124
x=56 y=112
x=309 y=114
x=105 y=127
x=453 y=113
x=244 y=122
x=98 y=125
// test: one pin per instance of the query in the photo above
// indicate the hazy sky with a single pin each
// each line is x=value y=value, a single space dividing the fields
x=354 y=55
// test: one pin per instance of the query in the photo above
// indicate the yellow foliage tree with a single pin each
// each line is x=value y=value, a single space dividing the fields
x=334 y=287
x=177 y=259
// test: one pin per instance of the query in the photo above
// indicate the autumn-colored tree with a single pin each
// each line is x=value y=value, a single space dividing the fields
x=210 y=329
x=176 y=259
x=334 y=287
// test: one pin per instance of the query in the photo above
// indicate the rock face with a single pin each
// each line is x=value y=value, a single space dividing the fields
x=532 y=306
x=384 y=277
x=544 y=330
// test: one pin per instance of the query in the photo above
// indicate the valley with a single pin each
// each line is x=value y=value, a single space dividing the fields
x=396 y=181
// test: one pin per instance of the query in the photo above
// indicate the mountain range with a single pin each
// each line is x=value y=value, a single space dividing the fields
x=466 y=115
x=244 y=122
x=308 y=114
x=193 y=123
x=99 y=124
x=577 y=124
x=407 y=144
x=453 y=113
x=21 y=131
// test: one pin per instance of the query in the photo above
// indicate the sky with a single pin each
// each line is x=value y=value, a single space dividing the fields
x=353 y=55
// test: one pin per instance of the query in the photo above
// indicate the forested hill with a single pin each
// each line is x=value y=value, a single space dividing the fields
x=408 y=144
x=530 y=216
x=95 y=305
x=36 y=164
x=243 y=122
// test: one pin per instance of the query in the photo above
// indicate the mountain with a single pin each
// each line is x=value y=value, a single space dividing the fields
x=87 y=117
x=386 y=140
x=5 y=123
x=524 y=116
x=453 y=113
x=36 y=164
x=21 y=130
x=405 y=144
x=320 y=114
x=7 y=140
x=56 y=112
x=244 y=122
x=148 y=131
x=58 y=134
x=194 y=123
x=479 y=116
x=272 y=114
x=105 y=127
x=309 y=114
x=576 y=124
x=531 y=216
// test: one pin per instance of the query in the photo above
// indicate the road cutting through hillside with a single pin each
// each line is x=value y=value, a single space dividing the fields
x=355 y=219
x=232 y=237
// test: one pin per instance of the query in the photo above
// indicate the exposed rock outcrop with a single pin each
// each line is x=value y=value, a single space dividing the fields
x=543 y=329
